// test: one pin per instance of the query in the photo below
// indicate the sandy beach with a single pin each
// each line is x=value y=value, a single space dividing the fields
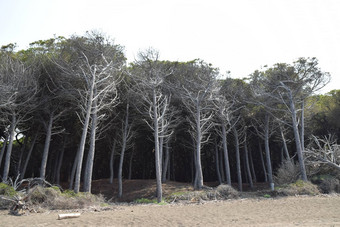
x=286 y=211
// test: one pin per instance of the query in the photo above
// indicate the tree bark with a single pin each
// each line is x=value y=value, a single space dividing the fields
x=84 y=135
x=302 y=126
x=46 y=147
x=285 y=148
x=74 y=169
x=28 y=157
x=252 y=168
x=92 y=149
x=226 y=155
x=199 y=174
x=3 y=148
x=9 y=148
x=250 y=178
x=112 y=156
x=217 y=161
x=157 y=155
x=263 y=164
x=297 y=140
x=238 y=161
x=166 y=162
x=266 y=147
x=121 y=161
x=60 y=161
x=21 y=155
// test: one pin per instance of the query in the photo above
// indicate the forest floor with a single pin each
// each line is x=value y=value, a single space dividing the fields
x=251 y=209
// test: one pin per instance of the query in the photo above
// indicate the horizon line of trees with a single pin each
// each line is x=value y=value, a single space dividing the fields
x=72 y=110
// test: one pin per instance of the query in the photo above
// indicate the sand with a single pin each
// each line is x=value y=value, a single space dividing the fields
x=286 y=211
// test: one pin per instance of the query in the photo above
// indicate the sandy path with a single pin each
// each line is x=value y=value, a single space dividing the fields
x=289 y=211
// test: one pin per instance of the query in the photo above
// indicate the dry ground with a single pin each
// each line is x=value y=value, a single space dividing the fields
x=282 y=211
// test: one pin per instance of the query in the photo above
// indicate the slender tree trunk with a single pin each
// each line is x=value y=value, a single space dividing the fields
x=285 y=148
x=226 y=155
x=266 y=146
x=252 y=168
x=217 y=161
x=112 y=159
x=84 y=135
x=92 y=149
x=263 y=164
x=22 y=150
x=238 y=161
x=130 y=164
x=166 y=162
x=46 y=147
x=9 y=149
x=74 y=169
x=121 y=161
x=199 y=173
x=297 y=140
x=221 y=165
x=3 y=148
x=302 y=126
x=23 y=172
x=157 y=155
x=60 y=161
x=250 y=178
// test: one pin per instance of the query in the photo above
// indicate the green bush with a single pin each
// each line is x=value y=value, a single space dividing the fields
x=7 y=190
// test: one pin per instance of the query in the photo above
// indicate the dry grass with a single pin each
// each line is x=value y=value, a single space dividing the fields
x=298 y=188
x=287 y=173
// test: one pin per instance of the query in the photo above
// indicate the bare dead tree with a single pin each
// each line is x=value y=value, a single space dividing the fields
x=18 y=88
x=197 y=96
x=150 y=76
x=323 y=151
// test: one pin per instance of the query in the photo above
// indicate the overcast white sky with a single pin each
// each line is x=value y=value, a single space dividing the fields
x=236 y=35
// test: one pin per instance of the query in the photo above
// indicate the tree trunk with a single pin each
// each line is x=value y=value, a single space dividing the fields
x=263 y=164
x=226 y=155
x=92 y=149
x=297 y=140
x=285 y=148
x=157 y=155
x=3 y=148
x=22 y=150
x=60 y=161
x=250 y=178
x=112 y=159
x=22 y=176
x=130 y=164
x=121 y=161
x=217 y=161
x=238 y=161
x=83 y=136
x=302 y=126
x=199 y=174
x=46 y=147
x=252 y=168
x=266 y=146
x=9 y=149
x=74 y=169
x=166 y=162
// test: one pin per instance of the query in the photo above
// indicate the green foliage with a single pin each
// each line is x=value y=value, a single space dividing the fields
x=7 y=190
x=267 y=196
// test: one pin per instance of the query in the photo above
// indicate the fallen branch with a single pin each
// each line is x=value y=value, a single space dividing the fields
x=71 y=215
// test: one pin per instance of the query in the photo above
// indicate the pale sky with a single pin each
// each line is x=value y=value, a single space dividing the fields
x=236 y=35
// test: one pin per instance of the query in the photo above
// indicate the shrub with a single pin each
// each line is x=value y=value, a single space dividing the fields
x=221 y=192
x=287 y=173
x=329 y=185
x=299 y=187
x=7 y=190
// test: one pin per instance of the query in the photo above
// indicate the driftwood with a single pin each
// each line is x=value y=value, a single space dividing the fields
x=70 y=215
